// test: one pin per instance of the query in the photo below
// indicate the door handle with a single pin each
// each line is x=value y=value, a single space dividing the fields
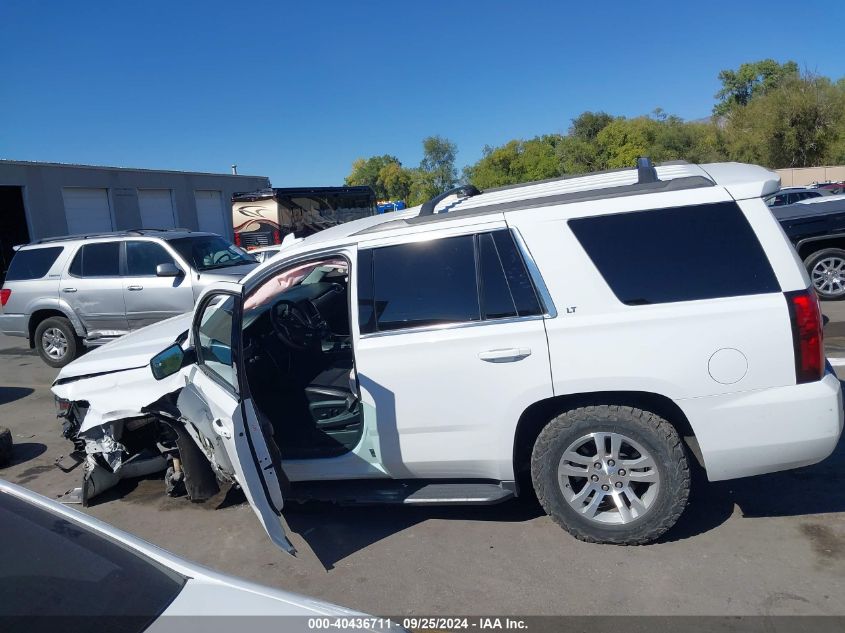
x=68 y=289
x=507 y=355
x=136 y=287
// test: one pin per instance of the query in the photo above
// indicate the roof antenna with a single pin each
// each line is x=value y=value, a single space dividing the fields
x=645 y=171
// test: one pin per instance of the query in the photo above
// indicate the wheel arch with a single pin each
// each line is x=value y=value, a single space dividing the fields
x=536 y=416
x=808 y=247
x=41 y=315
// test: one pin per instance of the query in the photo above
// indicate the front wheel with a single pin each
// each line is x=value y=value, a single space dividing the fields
x=611 y=474
x=827 y=273
x=56 y=342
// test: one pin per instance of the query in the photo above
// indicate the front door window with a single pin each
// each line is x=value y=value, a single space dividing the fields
x=215 y=337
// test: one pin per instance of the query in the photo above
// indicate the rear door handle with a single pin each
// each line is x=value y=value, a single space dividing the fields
x=507 y=355
x=136 y=287
x=68 y=289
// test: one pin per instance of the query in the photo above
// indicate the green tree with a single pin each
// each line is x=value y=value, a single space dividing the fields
x=396 y=181
x=516 y=161
x=801 y=123
x=366 y=171
x=749 y=80
x=587 y=125
x=438 y=164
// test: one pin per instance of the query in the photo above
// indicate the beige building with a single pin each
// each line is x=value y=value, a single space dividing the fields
x=798 y=176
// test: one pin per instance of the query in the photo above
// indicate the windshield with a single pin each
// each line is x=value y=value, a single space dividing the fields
x=57 y=567
x=207 y=252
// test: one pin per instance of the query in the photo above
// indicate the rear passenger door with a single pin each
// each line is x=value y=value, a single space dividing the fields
x=94 y=290
x=451 y=349
x=150 y=298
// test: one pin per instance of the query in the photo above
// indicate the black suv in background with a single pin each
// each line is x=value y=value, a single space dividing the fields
x=816 y=228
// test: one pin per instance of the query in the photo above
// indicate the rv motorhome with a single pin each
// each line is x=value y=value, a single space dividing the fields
x=262 y=218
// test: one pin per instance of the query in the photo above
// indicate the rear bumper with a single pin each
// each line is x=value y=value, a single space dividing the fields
x=13 y=324
x=763 y=431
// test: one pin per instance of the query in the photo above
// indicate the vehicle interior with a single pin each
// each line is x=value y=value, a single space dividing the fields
x=299 y=361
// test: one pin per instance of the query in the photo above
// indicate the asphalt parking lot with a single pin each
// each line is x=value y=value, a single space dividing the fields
x=766 y=546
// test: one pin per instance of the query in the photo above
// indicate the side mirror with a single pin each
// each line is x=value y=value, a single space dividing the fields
x=168 y=270
x=168 y=361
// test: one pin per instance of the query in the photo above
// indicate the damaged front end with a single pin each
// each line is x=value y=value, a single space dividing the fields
x=124 y=423
x=145 y=435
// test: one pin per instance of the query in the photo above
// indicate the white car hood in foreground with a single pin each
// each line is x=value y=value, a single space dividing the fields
x=129 y=352
x=116 y=379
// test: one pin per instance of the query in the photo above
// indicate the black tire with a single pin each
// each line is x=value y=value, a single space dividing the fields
x=655 y=436
x=73 y=344
x=833 y=292
x=5 y=446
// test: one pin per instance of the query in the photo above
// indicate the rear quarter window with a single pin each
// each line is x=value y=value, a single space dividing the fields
x=32 y=263
x=677 y=254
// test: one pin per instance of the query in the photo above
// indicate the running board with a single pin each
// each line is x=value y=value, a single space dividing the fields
x=404 y=492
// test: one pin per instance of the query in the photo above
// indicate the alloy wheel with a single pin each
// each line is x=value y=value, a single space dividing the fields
x=828 y=276
x=54 y=343
x=608 y=478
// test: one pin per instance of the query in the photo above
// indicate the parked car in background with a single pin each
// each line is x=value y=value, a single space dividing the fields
x=266 y=252
x=68 y=292
x=816 y=228
x=586 y=337
x=832 y=187
x=63 y=566
x=791 y=195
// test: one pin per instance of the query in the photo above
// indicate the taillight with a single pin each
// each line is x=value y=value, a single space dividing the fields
x=806 y=317
x=237 y=239
x=277 y=237
x=5 y=293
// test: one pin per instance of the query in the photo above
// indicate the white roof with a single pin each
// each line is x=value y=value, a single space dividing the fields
x=741 y=181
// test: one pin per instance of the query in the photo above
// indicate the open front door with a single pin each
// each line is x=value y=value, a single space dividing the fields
x=224 y=424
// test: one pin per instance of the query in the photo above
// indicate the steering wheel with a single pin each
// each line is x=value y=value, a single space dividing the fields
x=225 y=256
x=298 y=324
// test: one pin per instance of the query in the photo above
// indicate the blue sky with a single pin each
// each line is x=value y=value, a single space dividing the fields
x=296 y=91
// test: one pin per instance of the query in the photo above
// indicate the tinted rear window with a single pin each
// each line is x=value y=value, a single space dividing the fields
x=97 y=260
x=56 y=567
x=680 y=254
x=32 y=263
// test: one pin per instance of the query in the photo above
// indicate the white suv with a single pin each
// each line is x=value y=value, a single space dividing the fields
x=587 y=337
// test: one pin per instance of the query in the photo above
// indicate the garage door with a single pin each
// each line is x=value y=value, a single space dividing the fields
x=87 y=210
x=156 y=208
x=210 y=212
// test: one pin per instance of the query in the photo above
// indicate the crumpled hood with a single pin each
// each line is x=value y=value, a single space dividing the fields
x=129 y=352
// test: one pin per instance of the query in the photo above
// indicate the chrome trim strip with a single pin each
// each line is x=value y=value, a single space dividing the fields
x=449 y=326
x=536 y=277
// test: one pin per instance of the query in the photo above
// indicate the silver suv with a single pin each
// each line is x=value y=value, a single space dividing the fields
x=63 y=293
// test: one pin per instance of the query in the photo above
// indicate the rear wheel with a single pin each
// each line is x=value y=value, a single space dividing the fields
x=827 y=273
x=611 y=474
x=56 y=342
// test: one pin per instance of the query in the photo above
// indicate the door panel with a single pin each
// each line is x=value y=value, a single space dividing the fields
x=228 y=430
x=450 y=408
x=149 y=298
x=94 y=290
x=225 y=426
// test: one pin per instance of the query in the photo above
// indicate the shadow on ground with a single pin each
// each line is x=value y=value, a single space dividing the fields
x=23 y=452
x=10 y=394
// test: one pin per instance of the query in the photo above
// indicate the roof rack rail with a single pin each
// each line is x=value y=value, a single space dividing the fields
x=155 y=230
x=467 y=189
x=646 y=171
